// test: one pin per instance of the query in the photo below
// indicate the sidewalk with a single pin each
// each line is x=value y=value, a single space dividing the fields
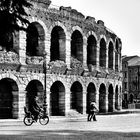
x=15 y=122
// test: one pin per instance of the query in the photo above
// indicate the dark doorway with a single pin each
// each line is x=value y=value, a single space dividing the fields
x=57 y=99
x=8 y=99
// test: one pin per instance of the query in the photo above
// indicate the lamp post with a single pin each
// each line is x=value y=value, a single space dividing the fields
x=45 y=85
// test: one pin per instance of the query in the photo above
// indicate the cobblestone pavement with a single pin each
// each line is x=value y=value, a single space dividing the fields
x=59 y=126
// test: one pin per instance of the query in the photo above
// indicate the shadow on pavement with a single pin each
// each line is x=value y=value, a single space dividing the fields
x=72 y=135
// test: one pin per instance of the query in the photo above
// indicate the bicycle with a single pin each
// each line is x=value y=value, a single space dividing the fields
x=29 y=118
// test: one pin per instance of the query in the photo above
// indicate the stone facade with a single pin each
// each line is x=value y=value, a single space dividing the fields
x=130 y=79
x=82 y=61
x=131 y=86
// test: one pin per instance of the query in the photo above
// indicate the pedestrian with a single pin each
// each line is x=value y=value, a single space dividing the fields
x=92 y=112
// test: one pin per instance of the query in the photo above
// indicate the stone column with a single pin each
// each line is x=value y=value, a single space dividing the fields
x=22 y=102
x=120 y=101
x=114 y=59
x=67 y=101
x=114 y=102
x=120 y=63
x=97 y=99
x=106 y=59
x=84 y=101
x=48 y=97
x=47 y=47
x=22 y=47
x=68 y=51
x=85 y=52
x=98 y=55
x=106 y=104
x=48 y=102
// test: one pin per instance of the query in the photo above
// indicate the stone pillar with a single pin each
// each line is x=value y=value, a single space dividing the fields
x=106 y=104
x=98 y=56
x=68 y=51
x=120 y=63
x=97 y=99
x=67 y=101
x=114 y=59
x=22 y=47
x=114 y=102
x=106 y=59
x=48 y=102
x=47 y=47
x=85 y=52
x=84 y=101
x=120 y=101
x=48 y=98
x=22 y=102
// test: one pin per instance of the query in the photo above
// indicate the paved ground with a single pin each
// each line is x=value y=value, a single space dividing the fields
x=118 y=127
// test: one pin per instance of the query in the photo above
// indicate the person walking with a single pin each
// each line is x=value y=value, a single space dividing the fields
x=92 y=112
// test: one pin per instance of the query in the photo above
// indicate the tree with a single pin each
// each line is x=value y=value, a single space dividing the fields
x=12 y=18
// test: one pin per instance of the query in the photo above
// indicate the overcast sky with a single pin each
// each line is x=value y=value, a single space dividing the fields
x=121 y=16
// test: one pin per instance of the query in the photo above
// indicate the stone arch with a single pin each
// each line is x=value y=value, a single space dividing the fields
x=10 y=76
x=59 y=24
x=58 y=44
x=91 y=95
x=102 y=56
x=34 y=88
x=76 y=97
x=74 y=28
x=116 y=97
x=102 y=98
x=91 y=50
x=9 y=95
x=92 y=33
x=116 y=54
x=35 y=44
x=110 y=55
x=57 y=99
x=110 y=98
x=77 y=45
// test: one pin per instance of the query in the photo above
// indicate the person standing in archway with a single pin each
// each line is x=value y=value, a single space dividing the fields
x=92 y=112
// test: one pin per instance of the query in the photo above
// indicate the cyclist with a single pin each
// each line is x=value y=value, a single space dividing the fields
x=34 y=107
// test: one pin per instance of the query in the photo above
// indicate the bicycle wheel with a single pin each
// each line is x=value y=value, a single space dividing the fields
x=28 y=121
x=44 y=120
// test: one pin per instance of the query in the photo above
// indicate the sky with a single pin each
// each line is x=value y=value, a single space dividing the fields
x=120 y=16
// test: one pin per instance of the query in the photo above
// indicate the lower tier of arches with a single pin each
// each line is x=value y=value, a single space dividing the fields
x=61 y=97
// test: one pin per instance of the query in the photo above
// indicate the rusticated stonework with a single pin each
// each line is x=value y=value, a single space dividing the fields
x=76 y=58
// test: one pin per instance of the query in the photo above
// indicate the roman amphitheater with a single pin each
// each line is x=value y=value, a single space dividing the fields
x=65 y=58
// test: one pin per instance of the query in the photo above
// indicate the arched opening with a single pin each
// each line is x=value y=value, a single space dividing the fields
x=91 y=95
x=91 y=50
x=102 y=53
x=110 y=56
x=102 y=98
x=34 y=88
x=58 y=45
x=35 y=40
x=110 y=98
x=8 y=99
x=57 y=99
x=116 y=98
x=116 y=56
x=77 y=45
x=77 y=97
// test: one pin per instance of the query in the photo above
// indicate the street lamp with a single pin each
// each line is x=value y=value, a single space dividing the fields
x=45 y=85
